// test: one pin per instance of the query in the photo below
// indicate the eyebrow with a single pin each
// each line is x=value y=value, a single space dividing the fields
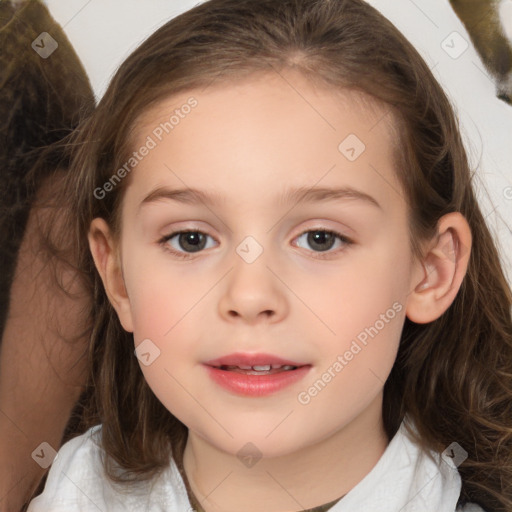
x=295 y=195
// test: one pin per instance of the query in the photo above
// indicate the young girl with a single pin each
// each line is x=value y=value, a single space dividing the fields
x=298 y=305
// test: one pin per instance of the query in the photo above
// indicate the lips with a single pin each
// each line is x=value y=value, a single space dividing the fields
x=249 y=361
x=255 y=375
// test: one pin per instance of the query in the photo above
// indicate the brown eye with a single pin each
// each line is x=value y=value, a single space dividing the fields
x=321 y=240
x=186 y=242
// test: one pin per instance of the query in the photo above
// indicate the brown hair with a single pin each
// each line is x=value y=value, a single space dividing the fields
x=41 y=101
x=453 y=376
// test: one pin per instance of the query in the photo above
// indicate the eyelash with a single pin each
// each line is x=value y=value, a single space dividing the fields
x=185 y=256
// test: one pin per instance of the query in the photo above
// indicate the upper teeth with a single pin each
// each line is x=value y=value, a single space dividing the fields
x=263 y=367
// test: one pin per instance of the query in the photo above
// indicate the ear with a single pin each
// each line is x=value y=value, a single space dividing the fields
x=442 y=270
x=107 y=260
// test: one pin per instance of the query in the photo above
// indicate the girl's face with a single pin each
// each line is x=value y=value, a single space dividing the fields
x=259 y=274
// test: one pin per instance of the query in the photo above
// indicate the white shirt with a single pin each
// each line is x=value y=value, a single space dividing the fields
x=403 y=480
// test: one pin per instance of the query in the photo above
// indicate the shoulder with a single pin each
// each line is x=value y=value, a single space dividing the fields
x=77 y=469
x=77 y=482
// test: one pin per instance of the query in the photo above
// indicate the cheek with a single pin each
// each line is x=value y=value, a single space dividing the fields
x=368 y=283
x=364 y=308
x=366 y=314
x=159 y=294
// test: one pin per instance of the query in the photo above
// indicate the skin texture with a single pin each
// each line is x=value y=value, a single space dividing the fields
x=250 y=142
x=41 y=374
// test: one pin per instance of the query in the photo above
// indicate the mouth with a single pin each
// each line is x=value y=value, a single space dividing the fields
x=254 y=364
x=266 y=369
x=255 y=374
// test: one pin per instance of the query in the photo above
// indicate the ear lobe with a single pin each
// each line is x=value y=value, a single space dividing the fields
x=106 y=259
x=444 y=267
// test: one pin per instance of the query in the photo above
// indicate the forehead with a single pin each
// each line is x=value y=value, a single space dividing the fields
x=265 y=129
x=289 y=88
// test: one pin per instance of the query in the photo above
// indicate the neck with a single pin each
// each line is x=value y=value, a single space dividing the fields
x=310 y=477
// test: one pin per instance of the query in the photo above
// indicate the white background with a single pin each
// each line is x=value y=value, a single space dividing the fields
x=105 y=32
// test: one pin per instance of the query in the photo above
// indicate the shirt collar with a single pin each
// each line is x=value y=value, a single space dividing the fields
x=404 y=479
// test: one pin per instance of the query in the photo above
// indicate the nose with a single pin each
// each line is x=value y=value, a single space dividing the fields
x=253 y=293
